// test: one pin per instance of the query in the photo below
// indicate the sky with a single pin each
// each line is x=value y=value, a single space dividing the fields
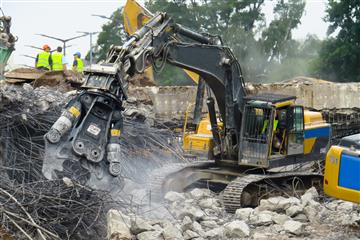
x=63 y=18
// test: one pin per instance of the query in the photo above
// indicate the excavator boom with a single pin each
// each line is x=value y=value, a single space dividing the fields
x=89 y=129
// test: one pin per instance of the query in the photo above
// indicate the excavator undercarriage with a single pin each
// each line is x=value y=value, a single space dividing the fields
x=240 y=187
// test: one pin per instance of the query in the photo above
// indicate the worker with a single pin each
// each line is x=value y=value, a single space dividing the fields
x=275 y=140
x=78 y=64
x=58 y=60
x=43 y=59
x=266 y=124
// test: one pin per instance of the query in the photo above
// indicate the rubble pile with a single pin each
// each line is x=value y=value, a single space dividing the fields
x=312 y=92
x=141 y=80
x=31 y=205
x=61 y=80
x=199 y=214
x=24 y=118
x=64 y=208
x=51 y=210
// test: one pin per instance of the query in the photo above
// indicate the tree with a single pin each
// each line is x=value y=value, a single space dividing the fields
x=260 y=49
x=233 y=20
x=339 y=57
x=300 y=56
x=275 y=37
x=239 y=23
x=112 y=33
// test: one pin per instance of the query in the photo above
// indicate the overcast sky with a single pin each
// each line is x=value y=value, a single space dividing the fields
x=64 y=18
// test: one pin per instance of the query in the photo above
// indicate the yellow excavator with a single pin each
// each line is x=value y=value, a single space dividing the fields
x=261 y=135
x=342 y=170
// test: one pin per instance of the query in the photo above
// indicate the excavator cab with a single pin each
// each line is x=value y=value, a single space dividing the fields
x=256 y=133
x=272 y=130
x=266 y=124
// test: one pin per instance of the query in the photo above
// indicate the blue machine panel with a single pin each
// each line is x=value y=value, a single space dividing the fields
x=349 y=173
x=317 y=132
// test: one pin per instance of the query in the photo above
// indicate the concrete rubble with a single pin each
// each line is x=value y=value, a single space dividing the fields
x=170 y=103
x=274 y=218
x=199 y=213
x=173 y=102
x=27 y=112
x=37 y=78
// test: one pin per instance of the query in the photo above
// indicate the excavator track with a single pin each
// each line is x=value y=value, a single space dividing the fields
x=161 y=176
x=233 y=192
x=244 y=190
x=158 y=176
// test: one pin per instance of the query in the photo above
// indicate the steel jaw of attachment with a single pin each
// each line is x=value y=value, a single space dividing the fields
x=76 y=145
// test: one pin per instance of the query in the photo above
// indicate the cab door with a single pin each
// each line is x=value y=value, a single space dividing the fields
x=295 y=143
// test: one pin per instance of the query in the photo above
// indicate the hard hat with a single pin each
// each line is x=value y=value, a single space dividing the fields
x=78 y=54
x=46 y=47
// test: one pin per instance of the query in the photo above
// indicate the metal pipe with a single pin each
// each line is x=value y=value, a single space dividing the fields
x=148 y=26
x=192 y=35
x=199 y=100
x=91 y=51
x=214 y=127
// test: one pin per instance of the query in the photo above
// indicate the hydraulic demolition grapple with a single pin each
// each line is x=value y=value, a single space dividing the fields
x=90 y=127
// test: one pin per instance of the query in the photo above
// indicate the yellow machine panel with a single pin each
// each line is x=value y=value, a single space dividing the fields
x=340 y=183
x=204 y=127
x=313 y=118
x=312 y=121
x=201 y=141
x=197 y=143
x=135 y=16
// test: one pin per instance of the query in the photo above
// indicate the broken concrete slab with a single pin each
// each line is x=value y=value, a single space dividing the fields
x=174 y=196
x=294 y=227
x=236 y=229
x=118 y=225
x=244 y=213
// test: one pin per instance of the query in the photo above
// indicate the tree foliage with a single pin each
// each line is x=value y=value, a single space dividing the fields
x=112 y=33
x=339 y=57
x=242 y=26
x=275 y=38
x=266 y=51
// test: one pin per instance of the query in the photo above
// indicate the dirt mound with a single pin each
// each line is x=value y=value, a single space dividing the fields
x=141 y=80
x=43 y=78
x=305 y=81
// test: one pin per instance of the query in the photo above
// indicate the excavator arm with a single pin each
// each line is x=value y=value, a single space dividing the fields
x=88 y=131
x=172 y=43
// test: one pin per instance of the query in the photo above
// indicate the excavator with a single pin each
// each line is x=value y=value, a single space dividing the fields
x=257 y=151
x=342 y=169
